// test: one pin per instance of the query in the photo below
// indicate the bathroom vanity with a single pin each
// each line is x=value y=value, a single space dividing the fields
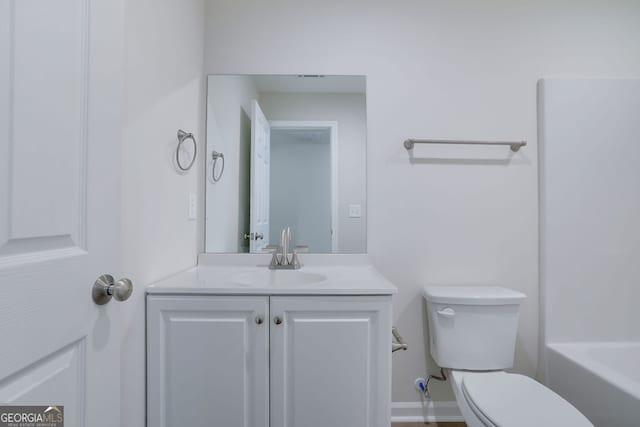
x=253 y=339
x=238 y=345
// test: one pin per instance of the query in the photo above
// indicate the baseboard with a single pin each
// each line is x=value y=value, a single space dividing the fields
x=426 y=411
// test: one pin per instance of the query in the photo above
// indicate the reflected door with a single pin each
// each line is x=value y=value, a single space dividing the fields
x=260 y=171
x=60 y=86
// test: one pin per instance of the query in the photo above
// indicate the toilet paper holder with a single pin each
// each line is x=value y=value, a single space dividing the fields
x=398 y=342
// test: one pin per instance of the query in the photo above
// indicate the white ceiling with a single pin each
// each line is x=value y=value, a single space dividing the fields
x=310 y=84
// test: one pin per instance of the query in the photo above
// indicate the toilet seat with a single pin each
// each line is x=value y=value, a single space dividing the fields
x=500 y=399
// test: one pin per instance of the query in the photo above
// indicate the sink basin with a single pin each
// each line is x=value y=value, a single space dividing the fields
x=278 y=278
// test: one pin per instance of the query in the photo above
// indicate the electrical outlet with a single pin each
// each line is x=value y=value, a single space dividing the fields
x=193 y=206
x=355 y=211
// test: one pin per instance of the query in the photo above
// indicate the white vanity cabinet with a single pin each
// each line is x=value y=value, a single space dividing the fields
x=207 y=361
x=313 y=361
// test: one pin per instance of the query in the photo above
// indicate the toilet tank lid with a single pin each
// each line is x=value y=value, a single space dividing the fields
x=473 y=295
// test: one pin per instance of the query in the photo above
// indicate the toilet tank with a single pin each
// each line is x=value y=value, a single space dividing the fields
x=473 y=327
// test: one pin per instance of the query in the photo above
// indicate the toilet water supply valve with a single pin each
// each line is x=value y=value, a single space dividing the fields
x=423 y=385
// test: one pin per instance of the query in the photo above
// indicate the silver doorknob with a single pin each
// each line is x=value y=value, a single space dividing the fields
x=259 y=320
x=277 y=320
x=106 y=288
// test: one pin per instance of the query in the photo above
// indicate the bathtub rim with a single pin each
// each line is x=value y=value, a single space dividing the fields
x=577 y=352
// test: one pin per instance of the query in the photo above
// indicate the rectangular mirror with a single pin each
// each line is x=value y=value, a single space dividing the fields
x=286 y=151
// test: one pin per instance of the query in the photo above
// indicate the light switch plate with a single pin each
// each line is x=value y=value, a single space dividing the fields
x=193 y=206
x=355 y=211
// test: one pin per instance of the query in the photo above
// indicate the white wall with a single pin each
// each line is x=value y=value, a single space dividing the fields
x=300 y=189
x=439 y=69
x=589 y=209
x=164 y=92
x=229 y=132
x=349 y=110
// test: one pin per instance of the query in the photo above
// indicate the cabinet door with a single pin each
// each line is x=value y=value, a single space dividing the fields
x=207 y=361
x=330 y=361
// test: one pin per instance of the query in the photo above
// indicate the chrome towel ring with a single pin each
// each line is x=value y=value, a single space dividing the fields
x=214 y=160
x=182 y=137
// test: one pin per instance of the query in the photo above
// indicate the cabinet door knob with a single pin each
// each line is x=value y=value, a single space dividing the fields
x=277 y=320
x=259 y=320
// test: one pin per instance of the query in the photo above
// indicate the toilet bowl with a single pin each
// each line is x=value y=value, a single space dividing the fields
x=472 y=335
x=500 y=399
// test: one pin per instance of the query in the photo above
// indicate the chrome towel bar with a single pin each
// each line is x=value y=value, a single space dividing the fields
x=514 y=145
x=398 y=342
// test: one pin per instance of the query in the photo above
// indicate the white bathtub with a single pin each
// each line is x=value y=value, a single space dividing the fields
x=602 y=379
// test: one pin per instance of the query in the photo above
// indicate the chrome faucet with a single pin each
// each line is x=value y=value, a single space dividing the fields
x=281 y=259
x=285 y=240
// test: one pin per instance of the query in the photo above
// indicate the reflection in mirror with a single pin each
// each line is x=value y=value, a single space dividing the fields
x=294 y=150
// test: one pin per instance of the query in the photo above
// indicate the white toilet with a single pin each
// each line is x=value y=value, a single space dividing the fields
x=473 y=335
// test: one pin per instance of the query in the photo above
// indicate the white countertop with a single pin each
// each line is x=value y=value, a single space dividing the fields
x=224 y=274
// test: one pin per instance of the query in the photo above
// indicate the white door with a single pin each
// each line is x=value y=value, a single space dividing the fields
x=208 y=361
x=60 y=103
x=260 y=170
x=330 y=361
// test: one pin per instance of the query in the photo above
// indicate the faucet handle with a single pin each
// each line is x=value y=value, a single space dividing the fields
x=274 y=254
x=294 y=259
